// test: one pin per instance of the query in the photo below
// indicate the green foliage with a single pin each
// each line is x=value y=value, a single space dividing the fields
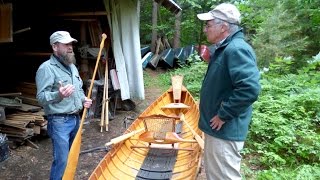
x=308 y=16
x=284 y=137
x=165 y=25
x=287 y=28
x=193 y=74
x=150 y=81
x=284 y=129
x=278 y=36
x=303 y=172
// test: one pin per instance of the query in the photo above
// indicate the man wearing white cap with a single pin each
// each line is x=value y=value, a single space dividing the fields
x=59 y=91
x=230 y=87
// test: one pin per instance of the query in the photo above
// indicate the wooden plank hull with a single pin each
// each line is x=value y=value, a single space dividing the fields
x=124 y=162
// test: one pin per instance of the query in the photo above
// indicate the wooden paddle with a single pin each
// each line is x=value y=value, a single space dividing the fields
x=106 y=102
x=196 y=136
x=123 y=137
x=104 y=99
x=73 y=156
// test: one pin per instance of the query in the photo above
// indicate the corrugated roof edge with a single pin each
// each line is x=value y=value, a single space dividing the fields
x=175 y=4
x=170 y=5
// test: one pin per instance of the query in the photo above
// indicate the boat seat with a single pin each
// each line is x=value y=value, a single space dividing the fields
x=160 y=129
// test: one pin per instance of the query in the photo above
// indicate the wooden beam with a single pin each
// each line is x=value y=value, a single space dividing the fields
x=75 y=14
x=81 y=20
x=11 y=94
x=33 y=54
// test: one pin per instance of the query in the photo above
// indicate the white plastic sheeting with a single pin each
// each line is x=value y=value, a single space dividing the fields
x=123 y=18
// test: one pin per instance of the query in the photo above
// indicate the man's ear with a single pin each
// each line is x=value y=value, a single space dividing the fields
x=54 y=47
x=224 y=27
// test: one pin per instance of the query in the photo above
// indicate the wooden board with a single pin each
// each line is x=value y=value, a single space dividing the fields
x=28 y=108
x=176 y=87
x=29 y=100
x=6 y=23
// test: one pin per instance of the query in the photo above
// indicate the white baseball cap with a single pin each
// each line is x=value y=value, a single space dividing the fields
x=225 y=11
x=61 y=37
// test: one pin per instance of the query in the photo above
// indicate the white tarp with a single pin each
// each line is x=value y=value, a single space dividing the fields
x=123 y=18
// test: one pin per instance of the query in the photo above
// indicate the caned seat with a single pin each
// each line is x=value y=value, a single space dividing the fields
x=157 y=127
x=160 y=129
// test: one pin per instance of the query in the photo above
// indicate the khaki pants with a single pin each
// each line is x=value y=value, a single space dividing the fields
x=222 y=158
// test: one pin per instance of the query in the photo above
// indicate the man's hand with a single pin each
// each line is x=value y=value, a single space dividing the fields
x=65 y=91
x=87 y=103
x=216 y=123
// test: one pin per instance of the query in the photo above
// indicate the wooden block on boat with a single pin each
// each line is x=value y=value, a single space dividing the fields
x=175 y=106
x=176 y=87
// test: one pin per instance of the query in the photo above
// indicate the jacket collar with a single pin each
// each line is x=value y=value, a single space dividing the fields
x=237 y=34
x=55 y=61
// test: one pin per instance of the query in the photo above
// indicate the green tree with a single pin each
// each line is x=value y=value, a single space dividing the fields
x=278 y=36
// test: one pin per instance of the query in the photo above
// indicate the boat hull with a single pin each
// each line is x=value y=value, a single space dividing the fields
x=125 y=162
x=146 y=59
x=168 y=57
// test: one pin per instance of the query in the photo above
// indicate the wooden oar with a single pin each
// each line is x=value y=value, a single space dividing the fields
x=106 y=91
x=106 y=102
x=73 y=156
x=123 y=137
x=115 y=140
x=196 y=136
x=104 y=99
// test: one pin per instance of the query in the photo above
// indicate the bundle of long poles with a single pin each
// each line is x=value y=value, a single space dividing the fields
x=104 y=121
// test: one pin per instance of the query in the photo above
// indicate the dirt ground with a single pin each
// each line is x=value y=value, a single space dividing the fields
x=27 y=163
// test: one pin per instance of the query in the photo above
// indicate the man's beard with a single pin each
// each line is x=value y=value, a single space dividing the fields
x=68 y=58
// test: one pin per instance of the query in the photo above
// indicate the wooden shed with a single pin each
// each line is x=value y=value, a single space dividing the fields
x=25 y=28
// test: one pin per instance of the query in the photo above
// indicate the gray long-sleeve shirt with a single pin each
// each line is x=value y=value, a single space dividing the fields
x=47 y=80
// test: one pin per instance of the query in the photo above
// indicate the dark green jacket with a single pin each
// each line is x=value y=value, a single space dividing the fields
x=230 y=87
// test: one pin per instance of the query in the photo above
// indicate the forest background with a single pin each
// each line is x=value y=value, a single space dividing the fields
x=284 y=137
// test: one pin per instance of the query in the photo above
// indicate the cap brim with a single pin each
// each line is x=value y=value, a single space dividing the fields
x=67 y=40
x=205 y=16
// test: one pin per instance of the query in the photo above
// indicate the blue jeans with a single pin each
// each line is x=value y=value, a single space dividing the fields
x=62 y=130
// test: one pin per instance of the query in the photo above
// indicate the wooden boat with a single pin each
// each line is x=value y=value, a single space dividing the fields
x=188 y=51
x=140 y=153
x=153 y=63
x=204 y=52
x=167 y=56
x=179 y=53
x=145 y=50
x=146 y=59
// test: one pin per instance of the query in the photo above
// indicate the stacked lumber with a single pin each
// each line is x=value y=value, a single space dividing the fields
x=22 y=125
x=25 y=119
x=29 y=92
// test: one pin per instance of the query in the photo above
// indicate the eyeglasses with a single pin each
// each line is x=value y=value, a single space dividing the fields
x=207 y=26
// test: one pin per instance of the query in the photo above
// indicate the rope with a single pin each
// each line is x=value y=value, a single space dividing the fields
x=95 y=149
